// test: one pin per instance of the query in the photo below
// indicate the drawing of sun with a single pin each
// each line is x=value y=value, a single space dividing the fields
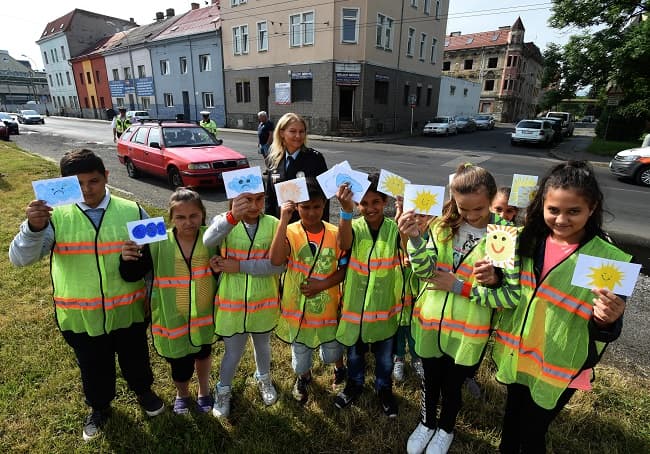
x=290 y=191
x=519 y=182
x=500 y=245
x=424 y=201
x=393 y=184
x=607 y=275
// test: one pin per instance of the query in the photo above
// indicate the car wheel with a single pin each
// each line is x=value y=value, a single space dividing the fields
x=131 y=170
x=642 y=177
x=42 y=122
x=513 y=143
x=174 y=176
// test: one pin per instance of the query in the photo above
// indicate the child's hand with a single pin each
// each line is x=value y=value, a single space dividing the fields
x=223 y=265
x=399 y=207
x=407 y=224
x=38 y=215
x=240 y=206
x=441 y=281
x=286 y=210
x=608 y=307
x=311 y=287
x=131 y=251
x=344 y=196
x=484 y=273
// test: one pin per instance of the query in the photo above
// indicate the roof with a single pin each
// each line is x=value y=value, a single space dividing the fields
x=201 y=20
x=143 y=34
x=497 y=37
x=62 y=24
x=9 y=65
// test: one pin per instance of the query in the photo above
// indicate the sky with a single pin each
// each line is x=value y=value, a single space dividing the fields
x=23 y=23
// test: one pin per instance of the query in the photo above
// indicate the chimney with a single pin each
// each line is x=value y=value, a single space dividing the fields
x=160 y=15
x=170 y=12
x=131 y=20
x=194 y=6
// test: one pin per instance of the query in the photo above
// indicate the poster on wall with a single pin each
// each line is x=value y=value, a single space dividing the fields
x=283 y=92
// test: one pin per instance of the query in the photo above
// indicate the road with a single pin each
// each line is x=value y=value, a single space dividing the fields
x=424 y=160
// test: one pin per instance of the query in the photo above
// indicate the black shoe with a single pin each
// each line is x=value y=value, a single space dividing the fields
x=351 y=392
x=340 y=375
x=388 y=404
x=94 y=422
x=151 y=403
x=300 y=392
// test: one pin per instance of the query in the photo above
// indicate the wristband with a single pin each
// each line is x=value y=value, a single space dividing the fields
x=457 y=287
x=230 y=218
x=345 y=216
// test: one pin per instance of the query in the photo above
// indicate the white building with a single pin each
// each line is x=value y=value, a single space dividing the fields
x=458 y=97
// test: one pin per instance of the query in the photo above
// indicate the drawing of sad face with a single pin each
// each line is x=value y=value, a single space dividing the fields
x=248 y=183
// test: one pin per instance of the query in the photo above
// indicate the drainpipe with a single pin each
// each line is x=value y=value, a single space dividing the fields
x=399 y=55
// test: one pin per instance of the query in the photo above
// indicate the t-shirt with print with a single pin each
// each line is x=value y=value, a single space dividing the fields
x=466 y=238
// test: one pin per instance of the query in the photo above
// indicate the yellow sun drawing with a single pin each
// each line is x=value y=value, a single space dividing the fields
x=607 y=275
x=290 y=191
x=500 y=245
x=518 y=182
x=393 y=184
x=424 y=201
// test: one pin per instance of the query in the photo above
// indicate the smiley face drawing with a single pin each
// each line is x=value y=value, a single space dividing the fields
x=606 y=275
x=500 y=244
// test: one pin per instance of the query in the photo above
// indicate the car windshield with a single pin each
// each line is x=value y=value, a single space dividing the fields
x=530 y=125
x=462 y=119
x=559 y=115
x=187 y=137
x=5 y=116
x=482 y=117
x=141 y=114
x=30 y=112
x=439 y=120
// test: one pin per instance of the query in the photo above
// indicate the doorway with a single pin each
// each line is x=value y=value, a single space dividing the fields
x=264 y=92
x=346 y=103
x=186 y=105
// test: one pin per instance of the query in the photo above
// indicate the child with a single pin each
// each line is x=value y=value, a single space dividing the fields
x=311 y=294
x=451 y=333
x=373 y=293
x=182 y=299
x=545 y=349
x=500 y=205
x=247 y=302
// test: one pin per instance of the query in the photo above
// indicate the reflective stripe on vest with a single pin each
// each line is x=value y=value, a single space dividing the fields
x=544 y=342
x=89 y=294
x=374 y=285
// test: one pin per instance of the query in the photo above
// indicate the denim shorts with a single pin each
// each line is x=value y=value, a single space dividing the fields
x=301 y=355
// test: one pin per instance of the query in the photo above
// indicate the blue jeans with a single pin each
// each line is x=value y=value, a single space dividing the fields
x=301 y=355
x=383 y=351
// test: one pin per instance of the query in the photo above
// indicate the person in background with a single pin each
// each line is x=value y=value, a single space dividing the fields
x=100 y=315
x=182 y=300
x=264 y=133
x=289 y=158
x=120 y=124
x=208 y=124
x=500 y=205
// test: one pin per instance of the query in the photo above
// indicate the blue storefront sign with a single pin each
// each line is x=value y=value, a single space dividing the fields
x=120 y=88
x=144 y=86
x=347 y=78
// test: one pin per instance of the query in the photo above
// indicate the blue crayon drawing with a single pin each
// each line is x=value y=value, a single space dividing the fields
x=343 y=178
x=58 y=191
x=161 y=228
x=147 y=230
x=139 y=231
x=245 y=183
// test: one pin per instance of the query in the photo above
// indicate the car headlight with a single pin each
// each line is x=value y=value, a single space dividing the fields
x=242 y=162
x=632 y=157
x=199 y=165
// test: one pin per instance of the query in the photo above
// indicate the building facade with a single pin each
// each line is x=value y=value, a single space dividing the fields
x=22 y=87
x=360 y=67
x=458 y=97
x=508 y=69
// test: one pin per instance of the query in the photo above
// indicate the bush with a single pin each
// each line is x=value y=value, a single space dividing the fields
x=618 y=127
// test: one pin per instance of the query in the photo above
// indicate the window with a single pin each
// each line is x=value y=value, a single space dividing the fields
x=116 y=74
x=465 y=91
x=452 y=90
x=67 y=75
x=437 y=9
x=182 y=63
x=243 y=91
x=87 y=104
x=446 y=65
x=205 y=63
x=414 y=3
x=423 y=42
x=81 y=78
x=169 y=99
x=164 y=68
x=127 y=73
x=237 y=2
x=240 y=39
x=381 y=92
x=350 y=25
x=407 y=92
x=140 y=136
x=301 y=29
x=492 y=62
x=262 y=36
x=418 y=95
x=71 y=99
x=384 y=32
x=154 y=135
x=468 y=64
x=208 y=99
x=96 y=76
x=51 y=83
x=301 y=90
x=141 y=72
x=146 y=103
x=45 y=57
x=62 y=53
x=120 y=102
x=427 y=6
x=488 y=85
x=56 y=55
x=409 y=42
x=52 y=55
x=434 y=43
x=429 y=94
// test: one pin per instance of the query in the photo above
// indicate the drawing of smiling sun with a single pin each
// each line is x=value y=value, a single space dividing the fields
x=290 y=191
x=393 y=184
x=500 y=244
x=606 y=275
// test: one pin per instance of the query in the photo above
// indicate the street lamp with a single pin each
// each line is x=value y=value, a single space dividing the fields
x=128 y=49
x=31 y=77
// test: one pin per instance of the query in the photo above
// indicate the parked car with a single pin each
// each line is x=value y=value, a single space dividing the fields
x=556 y=124
x=465 y=124
x=484 y=121
x=135 y=116
x=30 y=117
x=8 y=120
x=4 y=131
x=633 y=163
x=185 y=154
x=439 y=126
x=567 y=122
x=532 y=131
x=587 y=119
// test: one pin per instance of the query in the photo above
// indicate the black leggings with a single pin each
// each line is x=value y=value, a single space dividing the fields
x=525 y=423
x=183 y=368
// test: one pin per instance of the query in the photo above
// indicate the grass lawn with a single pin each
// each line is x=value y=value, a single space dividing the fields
x=42 y=407
x=610 y=147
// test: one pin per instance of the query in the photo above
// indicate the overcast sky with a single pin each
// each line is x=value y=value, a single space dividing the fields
x=24 y=20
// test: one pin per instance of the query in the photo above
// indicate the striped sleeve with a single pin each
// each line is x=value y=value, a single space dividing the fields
x=506 y=296
x=423 y=256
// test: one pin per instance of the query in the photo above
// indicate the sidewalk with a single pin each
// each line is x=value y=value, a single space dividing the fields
x=575 y=148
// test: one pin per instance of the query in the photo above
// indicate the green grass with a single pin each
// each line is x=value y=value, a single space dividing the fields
x=42 y=408
x=610 y=147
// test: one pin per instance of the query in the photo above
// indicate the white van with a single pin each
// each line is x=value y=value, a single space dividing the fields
x=567 y=121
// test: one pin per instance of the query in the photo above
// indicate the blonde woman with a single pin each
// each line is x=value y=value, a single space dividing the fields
x=289 y=158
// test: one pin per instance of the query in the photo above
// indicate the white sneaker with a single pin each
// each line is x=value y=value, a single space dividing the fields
x=419 y=368
x=440 y=443
x=419 y=439
x=221 y=406
x=398 y=369
x=267 y=390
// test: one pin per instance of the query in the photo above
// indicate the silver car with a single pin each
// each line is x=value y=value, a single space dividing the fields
x=633 y=163
x=484 y=121
x=440 y=126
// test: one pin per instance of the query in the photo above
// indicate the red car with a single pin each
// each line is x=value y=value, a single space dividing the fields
x=183 y=153
x=4 y=131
